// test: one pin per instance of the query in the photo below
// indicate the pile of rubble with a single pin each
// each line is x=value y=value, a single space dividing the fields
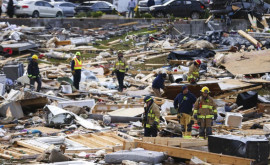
x=97 y=124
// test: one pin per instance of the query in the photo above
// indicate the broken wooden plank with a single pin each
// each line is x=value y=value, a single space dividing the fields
x=193 y=144
x=147 y=77
x=237 y=92
x=61 y=43
x=249 y=38
x=189 y=153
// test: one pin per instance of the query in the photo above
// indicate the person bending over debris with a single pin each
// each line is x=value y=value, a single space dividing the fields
x=158 y=84
x=120 y=68
x=184 y=103
x=205 y=110
x=193 y=74
x=76 y=68
x=33 y=73
x=151 y=117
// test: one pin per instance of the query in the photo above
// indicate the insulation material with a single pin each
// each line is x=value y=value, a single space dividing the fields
x=198 y=44
x=136 y=155
x=58 y=55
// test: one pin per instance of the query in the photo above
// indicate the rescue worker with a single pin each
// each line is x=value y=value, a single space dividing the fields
x=205 y=110
x=184 y=103
x=120 y=68
x=193 y=74
x=151 y=117
x=76 y=68
x=33 y=73
x=158 y=84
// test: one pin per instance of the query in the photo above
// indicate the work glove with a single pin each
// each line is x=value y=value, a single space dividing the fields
x=126 y=69
x=73 y=72
x=215 y=116
x=195 y=116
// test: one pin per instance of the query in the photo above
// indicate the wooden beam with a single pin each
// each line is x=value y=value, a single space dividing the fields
x=193 y=144
x=249 y=38
x=24 y=144
x=237 y=92
x=189 y=153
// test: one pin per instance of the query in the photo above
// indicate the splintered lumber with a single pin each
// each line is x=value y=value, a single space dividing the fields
x=183 y=143
x=157 y=56
x=249 y=38
x=3 y=62
x=60 y=43
x=237 y=92
x=189 y=153
x=128 y=24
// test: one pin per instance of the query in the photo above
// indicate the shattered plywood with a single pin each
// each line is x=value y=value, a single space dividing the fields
x=254 y=62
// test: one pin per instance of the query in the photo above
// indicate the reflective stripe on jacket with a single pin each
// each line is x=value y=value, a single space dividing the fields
x=193 y=72
x=205 y=109
x=78 y=64
x=120 y=65
x=153 y=115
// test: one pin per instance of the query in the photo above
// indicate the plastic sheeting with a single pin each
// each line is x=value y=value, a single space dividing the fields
x=190 y=55
x=246 y=147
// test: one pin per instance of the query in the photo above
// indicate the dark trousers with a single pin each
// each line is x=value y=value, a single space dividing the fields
x=120 y=77
x=38 y=80
x=77 y=79
x=150 y=132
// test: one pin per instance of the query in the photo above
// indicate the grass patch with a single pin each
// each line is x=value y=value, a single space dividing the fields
x=160 y=60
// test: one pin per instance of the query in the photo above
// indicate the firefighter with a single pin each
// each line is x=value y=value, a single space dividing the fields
x=33 y=73
x=151 y=117
x=205 y=110
x=193 y=74
x=184 y=103
x=76 y=68
x=120 y=68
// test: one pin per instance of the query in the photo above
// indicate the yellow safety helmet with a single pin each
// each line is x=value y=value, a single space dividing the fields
x=205 y=90
x=78 y=54
x=34 y=57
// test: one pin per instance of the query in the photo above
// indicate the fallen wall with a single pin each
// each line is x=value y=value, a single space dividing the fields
x=193 y=27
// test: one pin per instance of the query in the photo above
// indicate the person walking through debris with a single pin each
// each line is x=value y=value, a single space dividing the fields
x=193 y=74
x=33 y=73
x=131 y=7
x=76 y=68
x=184 y=103
x=150 y=3
x=10 y=9
x=151 y=117
x=205 y=110
x=120 y=68
x=158 y=84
